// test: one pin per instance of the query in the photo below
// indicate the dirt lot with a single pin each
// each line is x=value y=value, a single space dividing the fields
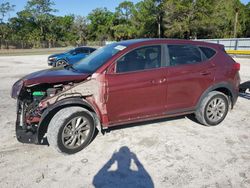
x=169 y=153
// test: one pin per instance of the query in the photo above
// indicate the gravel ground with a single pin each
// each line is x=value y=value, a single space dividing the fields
x=174 y=152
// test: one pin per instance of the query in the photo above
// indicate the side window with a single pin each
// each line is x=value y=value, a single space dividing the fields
x=148 y=57
x=91 y=50
x=84 y=50
x=184 y=54
x=208 y=52
x=78 y=50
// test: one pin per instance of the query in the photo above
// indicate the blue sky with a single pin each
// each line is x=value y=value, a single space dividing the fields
x=78 y=7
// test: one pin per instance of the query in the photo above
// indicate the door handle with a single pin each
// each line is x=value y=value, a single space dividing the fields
x=162 y=80
x=159 y=81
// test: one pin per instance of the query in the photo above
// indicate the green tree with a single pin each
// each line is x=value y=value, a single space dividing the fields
x=41 y=11
x=147 y=18
x=178 y=18
x=202 y=18
x=123 y=27
x=21 y=27
x=247 y=21
x=101 y=22
x=61 y=30
x=80 y=28
x=5 y=8
x=124 y=11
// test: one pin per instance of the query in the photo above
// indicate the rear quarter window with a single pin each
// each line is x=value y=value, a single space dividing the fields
x=184 y=55
x=208 y=52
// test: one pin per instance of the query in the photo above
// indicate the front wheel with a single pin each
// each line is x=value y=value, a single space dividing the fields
x=71 y=130
x=213 y=109
x=61 y=63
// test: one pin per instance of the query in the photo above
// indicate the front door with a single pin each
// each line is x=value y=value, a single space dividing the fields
x=137 y=88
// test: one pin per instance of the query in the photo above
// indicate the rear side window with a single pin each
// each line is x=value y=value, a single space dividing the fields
x=208 y=52
x=184 y=54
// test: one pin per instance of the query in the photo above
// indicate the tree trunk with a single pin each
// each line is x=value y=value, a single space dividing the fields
x=235 y=24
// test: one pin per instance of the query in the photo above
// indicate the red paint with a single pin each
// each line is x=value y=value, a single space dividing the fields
x=186 y=84
x=54 y=75
x=150 y=94
x=136 y=94
x=236 y=66
x=141 y=96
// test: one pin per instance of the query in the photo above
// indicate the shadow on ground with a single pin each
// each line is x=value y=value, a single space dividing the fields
x=245 y=90
x=117 y=172
x=245 y=95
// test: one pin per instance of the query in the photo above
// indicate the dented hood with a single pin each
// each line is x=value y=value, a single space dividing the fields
x=54 y=75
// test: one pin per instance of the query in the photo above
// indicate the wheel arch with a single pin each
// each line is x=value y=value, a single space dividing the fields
x=49 y=113
x=223 y=87
x=62 y=59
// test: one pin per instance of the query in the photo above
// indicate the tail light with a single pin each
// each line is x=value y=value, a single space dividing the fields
x=236 y=66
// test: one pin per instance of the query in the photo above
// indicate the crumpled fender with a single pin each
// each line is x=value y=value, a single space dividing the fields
x=48 y=114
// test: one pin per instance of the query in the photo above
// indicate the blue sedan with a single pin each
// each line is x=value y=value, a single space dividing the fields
x=70 y=57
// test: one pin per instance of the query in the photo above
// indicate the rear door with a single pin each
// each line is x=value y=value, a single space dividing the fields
x=138 y=87
x=190 y=73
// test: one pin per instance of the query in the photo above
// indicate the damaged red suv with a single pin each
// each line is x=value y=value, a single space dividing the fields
x=125 y=82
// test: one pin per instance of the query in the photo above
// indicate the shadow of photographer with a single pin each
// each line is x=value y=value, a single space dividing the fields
x=123 y=175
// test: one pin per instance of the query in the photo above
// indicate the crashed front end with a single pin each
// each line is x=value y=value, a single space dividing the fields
x=36 y=98
x=29 y=109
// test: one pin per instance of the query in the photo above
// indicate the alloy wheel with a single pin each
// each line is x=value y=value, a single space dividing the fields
x=216 y=109
x=61 y=63
x=75 y=132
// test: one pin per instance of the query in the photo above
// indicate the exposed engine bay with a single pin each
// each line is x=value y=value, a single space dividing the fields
x=33 y=100
x=28 y=110
x=30 y=98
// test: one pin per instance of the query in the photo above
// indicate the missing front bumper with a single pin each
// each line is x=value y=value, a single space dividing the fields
x=23 y=133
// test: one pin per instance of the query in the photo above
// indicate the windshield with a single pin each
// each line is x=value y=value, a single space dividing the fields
x=95 y=60
x=70 y=51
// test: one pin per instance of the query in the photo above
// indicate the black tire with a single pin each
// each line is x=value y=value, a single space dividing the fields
x=205 y=116
x=57 y=128
x=61 y=63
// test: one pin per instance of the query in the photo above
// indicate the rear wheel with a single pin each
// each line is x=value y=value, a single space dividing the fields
x=61 y=63
x=71 y=130
x=213 y=109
